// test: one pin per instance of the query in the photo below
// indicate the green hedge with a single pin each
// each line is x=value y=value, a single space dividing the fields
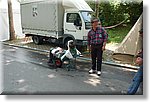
x=111 y=13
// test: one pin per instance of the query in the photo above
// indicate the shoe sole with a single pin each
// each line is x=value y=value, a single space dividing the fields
x=99 y=74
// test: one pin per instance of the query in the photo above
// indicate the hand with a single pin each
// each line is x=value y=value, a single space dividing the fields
x=139 y=61
x=140 y=51
x=103 y=48
x=89 y=48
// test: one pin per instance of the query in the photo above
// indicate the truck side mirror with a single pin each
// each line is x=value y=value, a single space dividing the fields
x=77 y=23
x=80 y=28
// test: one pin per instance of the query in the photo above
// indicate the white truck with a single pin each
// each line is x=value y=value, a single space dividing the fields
x=56 y=21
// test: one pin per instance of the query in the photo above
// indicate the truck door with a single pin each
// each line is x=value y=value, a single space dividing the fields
x=73 y=25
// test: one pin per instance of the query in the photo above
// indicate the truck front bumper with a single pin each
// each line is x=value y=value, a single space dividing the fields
x=81 y=42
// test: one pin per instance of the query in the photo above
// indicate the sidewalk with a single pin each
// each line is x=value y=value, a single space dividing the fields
x=107 y=55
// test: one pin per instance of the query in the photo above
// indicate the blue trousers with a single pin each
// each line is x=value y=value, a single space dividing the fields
x=138 y=78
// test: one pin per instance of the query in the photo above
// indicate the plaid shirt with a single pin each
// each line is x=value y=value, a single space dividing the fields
x=97 y=37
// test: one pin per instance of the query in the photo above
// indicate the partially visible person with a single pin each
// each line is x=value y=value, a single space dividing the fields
x=52 y=54
x=138 y=78
x=97 y=38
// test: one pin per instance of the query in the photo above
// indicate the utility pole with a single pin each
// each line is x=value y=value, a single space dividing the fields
x=11 y=23
x=96 y=8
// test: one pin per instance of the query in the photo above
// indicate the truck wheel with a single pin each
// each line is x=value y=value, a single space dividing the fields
x=37 y=40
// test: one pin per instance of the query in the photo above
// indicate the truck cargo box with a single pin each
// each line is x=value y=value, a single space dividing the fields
x=42 y=17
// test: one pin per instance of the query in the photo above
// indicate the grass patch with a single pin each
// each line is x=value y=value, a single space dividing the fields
x=116 y=35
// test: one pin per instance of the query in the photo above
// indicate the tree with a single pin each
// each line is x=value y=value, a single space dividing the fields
x=11 y=23
x=97 y=8
x=111 y=12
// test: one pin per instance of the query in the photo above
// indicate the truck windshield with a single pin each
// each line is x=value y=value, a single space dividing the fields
x=87 y=19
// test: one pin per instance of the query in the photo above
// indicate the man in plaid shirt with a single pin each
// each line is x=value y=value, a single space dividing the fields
x=97 y=38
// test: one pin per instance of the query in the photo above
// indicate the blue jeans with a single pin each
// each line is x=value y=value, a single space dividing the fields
x=138 y=78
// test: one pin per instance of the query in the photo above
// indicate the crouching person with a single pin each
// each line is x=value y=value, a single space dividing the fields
x=52 y=55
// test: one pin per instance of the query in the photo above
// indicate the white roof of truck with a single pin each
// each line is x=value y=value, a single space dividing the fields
x=81 y=5
x=30 y=1
x=78 y=4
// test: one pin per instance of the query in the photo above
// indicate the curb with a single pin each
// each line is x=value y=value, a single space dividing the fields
x=25 y=47
x=79 y=58
x=112 y=63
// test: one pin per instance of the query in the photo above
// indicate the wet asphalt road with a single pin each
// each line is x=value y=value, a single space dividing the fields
x=26 y=72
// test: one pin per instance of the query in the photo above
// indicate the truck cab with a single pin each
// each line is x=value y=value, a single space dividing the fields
x=77 y=18
x=77 y=25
